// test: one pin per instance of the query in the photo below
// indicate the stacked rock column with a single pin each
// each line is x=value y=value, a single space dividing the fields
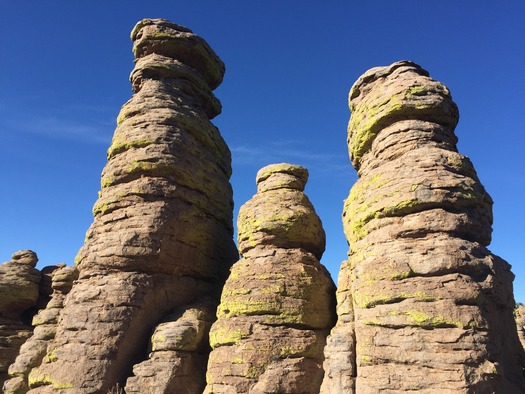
x=162 y=234
x=19 y=293
x=432 y=307
x=44 y=322
x=277 y=306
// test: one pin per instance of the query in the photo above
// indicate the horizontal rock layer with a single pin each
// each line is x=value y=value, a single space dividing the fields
x=19 y=295
x=162 y=234
x=277 y=304
x=423 y=305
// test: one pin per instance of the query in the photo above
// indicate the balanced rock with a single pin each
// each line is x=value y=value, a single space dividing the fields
x=162 y=234
x=44 y=322
x=277 y=305
x=19 y=293
x=423 y=305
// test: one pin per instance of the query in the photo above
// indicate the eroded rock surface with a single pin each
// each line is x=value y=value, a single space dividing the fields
x=162 y=233
x=19 y=294
x=179 y=347
x=277 y=306
x=520 y=322
x=44 y=322
x=423 y=305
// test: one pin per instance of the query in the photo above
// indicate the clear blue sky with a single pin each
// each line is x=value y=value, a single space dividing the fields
x=64 y=70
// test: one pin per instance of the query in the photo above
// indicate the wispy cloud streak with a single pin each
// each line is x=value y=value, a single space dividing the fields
x=288 y=151
x=70 y=123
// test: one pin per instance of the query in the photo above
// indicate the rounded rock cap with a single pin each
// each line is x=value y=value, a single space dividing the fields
x=25 y=257
x=383 y=96
x=281 y=176
x=165 y=38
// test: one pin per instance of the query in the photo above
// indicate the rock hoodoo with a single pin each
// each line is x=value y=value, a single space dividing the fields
x=19 y=294
x=422 y=304
x=277 y=305
x=44 y=322
x=161 y=241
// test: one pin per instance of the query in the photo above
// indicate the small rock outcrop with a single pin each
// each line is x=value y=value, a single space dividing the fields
x=161 y=241
x=44 y=322
x=423 y=305
x=277 y=305
x=179 y=347
x=520 y=323
x=19 y=294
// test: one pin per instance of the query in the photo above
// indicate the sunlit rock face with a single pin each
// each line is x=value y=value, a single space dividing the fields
x=277 y=306
x=19 y=294
x=33 y=351
x=423 y=305
x=161 y=241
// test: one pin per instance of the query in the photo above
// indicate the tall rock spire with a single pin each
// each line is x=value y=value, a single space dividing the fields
x=423 y=305
x=277 y=305
x=161 y=239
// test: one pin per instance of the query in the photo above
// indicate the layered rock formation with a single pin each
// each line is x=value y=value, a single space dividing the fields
x=161 y=241
x=44 y=322
x=423 y=305
x=277 y=306
x=179 y=350
x=19 y=294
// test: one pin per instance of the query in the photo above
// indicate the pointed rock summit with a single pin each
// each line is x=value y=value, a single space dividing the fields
x=277 y=306
x=161 y=241
x=423 y=305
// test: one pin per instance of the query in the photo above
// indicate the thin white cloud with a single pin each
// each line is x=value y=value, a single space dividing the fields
x=69 y=129
x=288 y=151
x=70 y=123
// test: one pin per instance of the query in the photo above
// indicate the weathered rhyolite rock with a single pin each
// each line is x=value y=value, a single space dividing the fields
x=162 y=234
x=277 y=305
x=423 y=305
x=44 y=322
x=179 y=347
x=19 y=293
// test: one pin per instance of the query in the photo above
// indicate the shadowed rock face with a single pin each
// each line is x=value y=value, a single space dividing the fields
x=19 y=293
x=422 y=304
x=278 y=303
x=520 y=322
x=162 y=234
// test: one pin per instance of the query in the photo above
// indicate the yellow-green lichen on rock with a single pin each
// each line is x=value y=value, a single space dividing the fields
x=280 y=214
x=418 y=279
x=278 y=303
x=161 y=243
x=377 y=99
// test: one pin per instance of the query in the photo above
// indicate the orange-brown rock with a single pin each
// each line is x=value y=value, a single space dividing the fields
x=162 y=233
x=19 y=293
x=277 y=305
x=423 y=305
x=179 y=347
x=44 y=322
